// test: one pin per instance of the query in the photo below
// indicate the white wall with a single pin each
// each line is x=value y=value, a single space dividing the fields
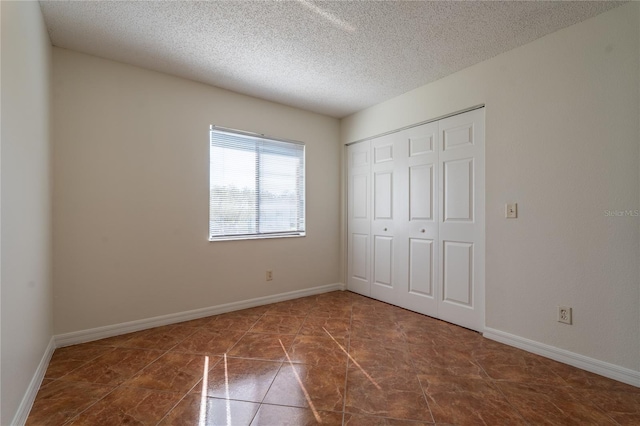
x=131 y=158
x=25 y=199
x=562 y=140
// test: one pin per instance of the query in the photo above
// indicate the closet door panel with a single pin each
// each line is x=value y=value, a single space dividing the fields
x=359 y=218
x=383 y=261
x=383 y=195
x=359 y=264
x=421 y=192
x=458 y=273
x=384 y=221
x=458 y=190
x=461 y=275
x=418 y=232
x=421 y=272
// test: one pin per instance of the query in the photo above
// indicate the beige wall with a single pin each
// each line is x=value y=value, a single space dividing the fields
x=25 y=275
x=131 y=194
x=562 y=140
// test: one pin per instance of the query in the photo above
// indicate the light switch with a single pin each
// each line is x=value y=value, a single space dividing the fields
x=511 y=210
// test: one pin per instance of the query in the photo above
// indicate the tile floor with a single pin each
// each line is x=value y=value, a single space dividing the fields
x=333 y=359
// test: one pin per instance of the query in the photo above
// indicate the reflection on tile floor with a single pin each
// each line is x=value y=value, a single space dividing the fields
x=332 y=359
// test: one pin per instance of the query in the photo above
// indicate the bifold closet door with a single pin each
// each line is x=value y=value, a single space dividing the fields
x=359 y=218
x=386 y=211
x=404 y=227
x=417 y=221
x=461 y=228
x=416 y=218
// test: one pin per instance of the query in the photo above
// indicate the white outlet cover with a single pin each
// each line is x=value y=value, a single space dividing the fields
x=565 y=315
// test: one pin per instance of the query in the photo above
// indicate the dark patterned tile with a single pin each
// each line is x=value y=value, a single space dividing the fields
x=342 y=297
x=375 y=314
x=296 y=307
x=330 y=310
x=427 y=331
x=129 y=406
x=114 y=367
x=271 y=415
x=318 y=349
x=198 y=410
x=208 y=342
x=386 y=392
x=405 y=369
x=445 y=361
x=362 y=420
x=277 y=324
x=338 y=328
x=319 y=387
x=621 y=406
x=386 y=332
x=59 y=401
x=161 y=338
x=515 y=365
x=240 y=379
x=235 y=321
x=262 y=346
x=67 y=359
x=469 y=401
x=173 y=372
x=584 y=379
x=374 y=354
x=552 y=405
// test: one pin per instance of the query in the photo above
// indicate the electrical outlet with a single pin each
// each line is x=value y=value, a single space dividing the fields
x=511 y=210
x=269 y=275
x=564 y=315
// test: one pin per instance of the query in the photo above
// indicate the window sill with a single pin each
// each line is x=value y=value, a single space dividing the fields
x=257 y=237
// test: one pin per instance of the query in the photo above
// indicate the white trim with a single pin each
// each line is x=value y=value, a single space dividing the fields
x=602 y=368
x=97 y=333
x=32 y=390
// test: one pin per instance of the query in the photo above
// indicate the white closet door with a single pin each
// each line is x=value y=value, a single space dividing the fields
x=359 y=218
x=417 y=220
x=384 y=212
x=461 y=163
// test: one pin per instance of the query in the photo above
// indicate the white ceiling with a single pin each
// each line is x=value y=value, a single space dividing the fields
x=329 y=57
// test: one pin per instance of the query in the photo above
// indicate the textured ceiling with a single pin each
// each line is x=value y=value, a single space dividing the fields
x=333 y=58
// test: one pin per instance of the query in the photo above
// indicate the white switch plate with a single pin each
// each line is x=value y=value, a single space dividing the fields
x=511 y=210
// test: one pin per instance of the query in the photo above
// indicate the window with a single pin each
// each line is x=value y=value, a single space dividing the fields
x=256 y=186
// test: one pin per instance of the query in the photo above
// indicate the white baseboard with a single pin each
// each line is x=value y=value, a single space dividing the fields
x=32 y=390
x=89 y=335
x=602 y=368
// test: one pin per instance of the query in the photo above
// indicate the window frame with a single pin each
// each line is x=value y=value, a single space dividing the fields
x=300 y=185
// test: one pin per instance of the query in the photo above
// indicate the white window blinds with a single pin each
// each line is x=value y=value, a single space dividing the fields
x=256 y=188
